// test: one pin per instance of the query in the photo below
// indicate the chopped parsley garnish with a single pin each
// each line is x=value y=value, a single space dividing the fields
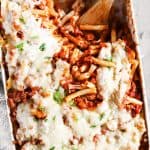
x=54 y=118
x=52 y=148
x=75 y=118
x=58 y=96
x=74 y=149
x=20 y=47
x=38 y=70
x=93 y=126
x=46 y=120
x=35 y=119
x=109 y=59
x=28 y=42
x=34 y=37
x=72 y=103
x=42 y=108
x=42 y=47
x=21 y=19
x=101 y=116
x=47 y=57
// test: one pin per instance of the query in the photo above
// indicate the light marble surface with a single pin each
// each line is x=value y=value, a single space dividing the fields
x=142 y=14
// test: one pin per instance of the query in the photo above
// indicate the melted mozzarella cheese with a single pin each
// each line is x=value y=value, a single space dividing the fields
x=39 y=45
x=113 y=83
x=61 y=71
x=28 y=126
x=80 y=124
x=123 y=133
x=66 y=127
x=52 y=131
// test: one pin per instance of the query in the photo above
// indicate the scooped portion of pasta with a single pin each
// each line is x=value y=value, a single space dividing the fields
x=70 y=87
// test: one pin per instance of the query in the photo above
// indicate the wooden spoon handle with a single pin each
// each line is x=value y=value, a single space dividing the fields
x=97 y=14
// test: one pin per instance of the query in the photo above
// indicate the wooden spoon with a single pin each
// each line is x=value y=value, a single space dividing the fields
x=97 y=14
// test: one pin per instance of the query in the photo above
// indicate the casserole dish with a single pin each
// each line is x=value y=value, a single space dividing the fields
x=69 y=87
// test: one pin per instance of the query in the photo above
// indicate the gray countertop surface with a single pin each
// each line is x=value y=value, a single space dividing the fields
x=142 y=15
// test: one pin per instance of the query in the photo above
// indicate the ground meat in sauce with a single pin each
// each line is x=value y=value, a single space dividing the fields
x=89 y=102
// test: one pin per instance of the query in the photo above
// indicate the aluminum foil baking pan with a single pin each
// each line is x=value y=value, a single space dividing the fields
x=120 y=4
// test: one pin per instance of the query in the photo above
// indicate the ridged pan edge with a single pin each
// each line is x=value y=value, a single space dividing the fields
x=133 y=29
x=3 y=78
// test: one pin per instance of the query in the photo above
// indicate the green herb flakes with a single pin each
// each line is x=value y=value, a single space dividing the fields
x=58 y=96
x=101 y=116
x=20 y=46
x=47 y=57
x=34 y=37
x=42 y=108
x=75 y=117
x=42 y=47
x=35 y=119
x=72 y=103
x=93 y=126
x=54 y=118
x=46 y=120
x=74 y=149
x=109 y=59
x=38 y=70
x=52 y=148
x=21 y=19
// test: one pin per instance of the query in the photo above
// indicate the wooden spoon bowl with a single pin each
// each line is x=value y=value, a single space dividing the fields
x=98 y=14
